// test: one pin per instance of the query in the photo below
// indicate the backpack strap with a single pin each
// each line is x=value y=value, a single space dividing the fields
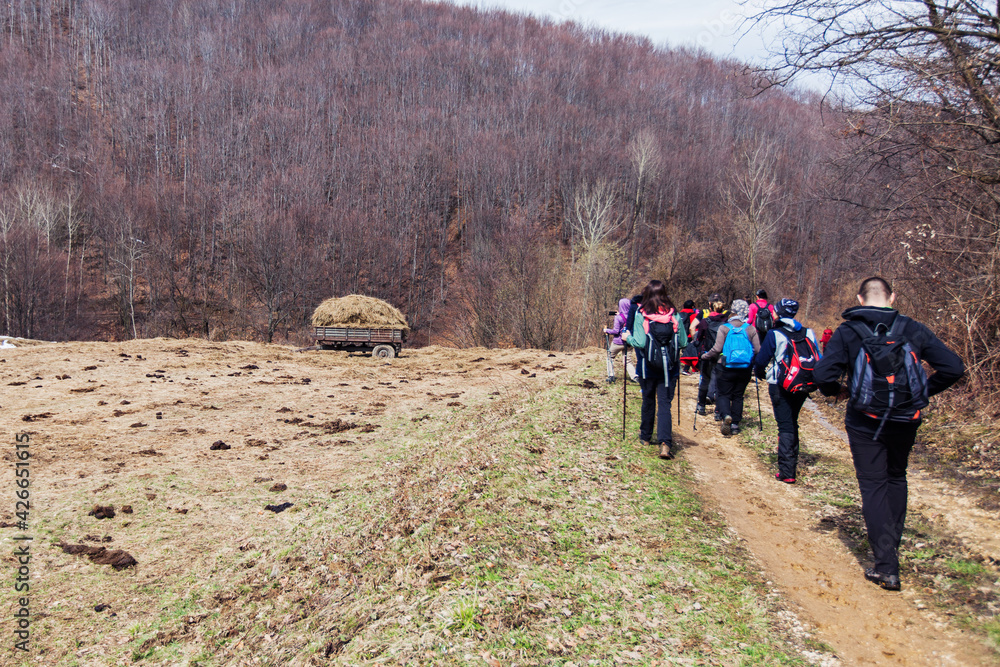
x=860 y=328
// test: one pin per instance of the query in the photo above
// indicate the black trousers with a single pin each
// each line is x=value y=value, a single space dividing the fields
x=657 y=396
x=709 y=376
x=881 y=470
x=732 y=385
x=786 y=412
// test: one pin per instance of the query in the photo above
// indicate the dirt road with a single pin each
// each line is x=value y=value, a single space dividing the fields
x=864 y=625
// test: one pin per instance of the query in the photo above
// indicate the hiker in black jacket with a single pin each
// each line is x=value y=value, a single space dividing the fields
x=880 y=446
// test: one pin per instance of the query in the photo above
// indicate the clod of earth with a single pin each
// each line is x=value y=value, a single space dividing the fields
x=587 y=384
x=117 y=558
x=101 y=607
x=150 y=496
x=277 y=509
x=261 y=480
x=138 y=425
x=149 y=452
x=126 y=509
x=95 y=538
x=277 y=488
x=218 y=444
x=102 y=512
x=31 y=418
x=90 y=368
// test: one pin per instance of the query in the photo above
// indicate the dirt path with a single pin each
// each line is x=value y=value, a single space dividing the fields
x=864 y=625
x=945 y=504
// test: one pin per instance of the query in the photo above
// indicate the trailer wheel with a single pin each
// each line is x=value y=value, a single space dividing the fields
x=384 y=352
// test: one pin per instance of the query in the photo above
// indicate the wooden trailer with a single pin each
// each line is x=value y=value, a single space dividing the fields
x=382 y=343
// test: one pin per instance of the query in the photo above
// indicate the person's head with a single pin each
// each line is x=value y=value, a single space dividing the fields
x=787 y=308
x=740 y=309
x=624 y=304
x=716 y=303
x=762 y=294
x=655 y=299
x=689 y=304
x=876 y=292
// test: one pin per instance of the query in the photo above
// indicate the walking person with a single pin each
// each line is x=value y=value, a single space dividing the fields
x=762 y=314
x=881 y=351
x=737 y=345
x=617 y=344
x=787 y=359
x=827 y=335
x=689 y=355
x=705 y=337
x=657 y=334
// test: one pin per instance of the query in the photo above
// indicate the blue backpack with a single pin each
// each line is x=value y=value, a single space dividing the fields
x=737 y=350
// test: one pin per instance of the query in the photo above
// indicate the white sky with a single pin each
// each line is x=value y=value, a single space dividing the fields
x=714 y=25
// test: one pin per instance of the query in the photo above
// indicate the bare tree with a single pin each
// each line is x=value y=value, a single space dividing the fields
x=647 y=161
x=127 y=254
x=755 y=205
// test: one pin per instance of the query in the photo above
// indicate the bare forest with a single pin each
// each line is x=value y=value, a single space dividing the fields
x=198 y=168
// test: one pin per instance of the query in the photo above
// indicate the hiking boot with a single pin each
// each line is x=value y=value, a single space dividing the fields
x=699 y=410
x=666 y=451
x=734 y=429
x=718 y=417
x=727 y=426
x=889 y=582
x=786 y=480
x=647 y=443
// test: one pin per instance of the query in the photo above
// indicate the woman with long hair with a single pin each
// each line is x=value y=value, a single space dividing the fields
x=658 y=335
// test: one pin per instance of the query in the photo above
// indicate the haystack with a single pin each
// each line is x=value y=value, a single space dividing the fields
x=359 y=311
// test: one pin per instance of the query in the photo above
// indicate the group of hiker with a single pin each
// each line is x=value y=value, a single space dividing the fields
x=879 y=350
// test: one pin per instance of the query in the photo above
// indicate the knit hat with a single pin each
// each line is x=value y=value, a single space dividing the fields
x=787 y=308
x=740 y=309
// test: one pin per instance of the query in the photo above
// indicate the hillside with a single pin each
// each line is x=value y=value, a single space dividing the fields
x=203 y=169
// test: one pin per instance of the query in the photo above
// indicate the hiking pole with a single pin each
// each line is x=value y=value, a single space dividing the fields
x=760 y=416
x=678 y=399
x=624 y=388
x=610 y=362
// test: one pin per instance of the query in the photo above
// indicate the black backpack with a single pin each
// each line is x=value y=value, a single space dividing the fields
x=706 y=339
x=888 y=382
x=661 y=346
x=763 y=321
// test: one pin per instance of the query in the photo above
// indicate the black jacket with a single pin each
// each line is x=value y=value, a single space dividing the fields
x=843 y=348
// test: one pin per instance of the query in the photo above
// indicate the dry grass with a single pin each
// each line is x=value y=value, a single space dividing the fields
x=355 y=310
x=488 y=516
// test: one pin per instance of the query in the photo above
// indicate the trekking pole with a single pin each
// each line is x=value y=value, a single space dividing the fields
x=624 y=388
x=609 y=361
x=760 y=416
x=678 y=399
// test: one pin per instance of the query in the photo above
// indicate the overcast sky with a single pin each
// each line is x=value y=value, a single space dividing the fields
x=711 y=24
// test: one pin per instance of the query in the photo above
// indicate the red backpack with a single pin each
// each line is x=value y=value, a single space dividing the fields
x=795 y=368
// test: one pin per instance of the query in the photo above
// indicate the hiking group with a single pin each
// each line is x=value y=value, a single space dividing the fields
x=879 y=350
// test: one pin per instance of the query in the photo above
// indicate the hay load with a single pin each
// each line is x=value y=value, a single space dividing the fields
x=359 y=311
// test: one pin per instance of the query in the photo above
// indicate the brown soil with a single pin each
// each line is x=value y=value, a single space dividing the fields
x=811 y=566
x=313 y=420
